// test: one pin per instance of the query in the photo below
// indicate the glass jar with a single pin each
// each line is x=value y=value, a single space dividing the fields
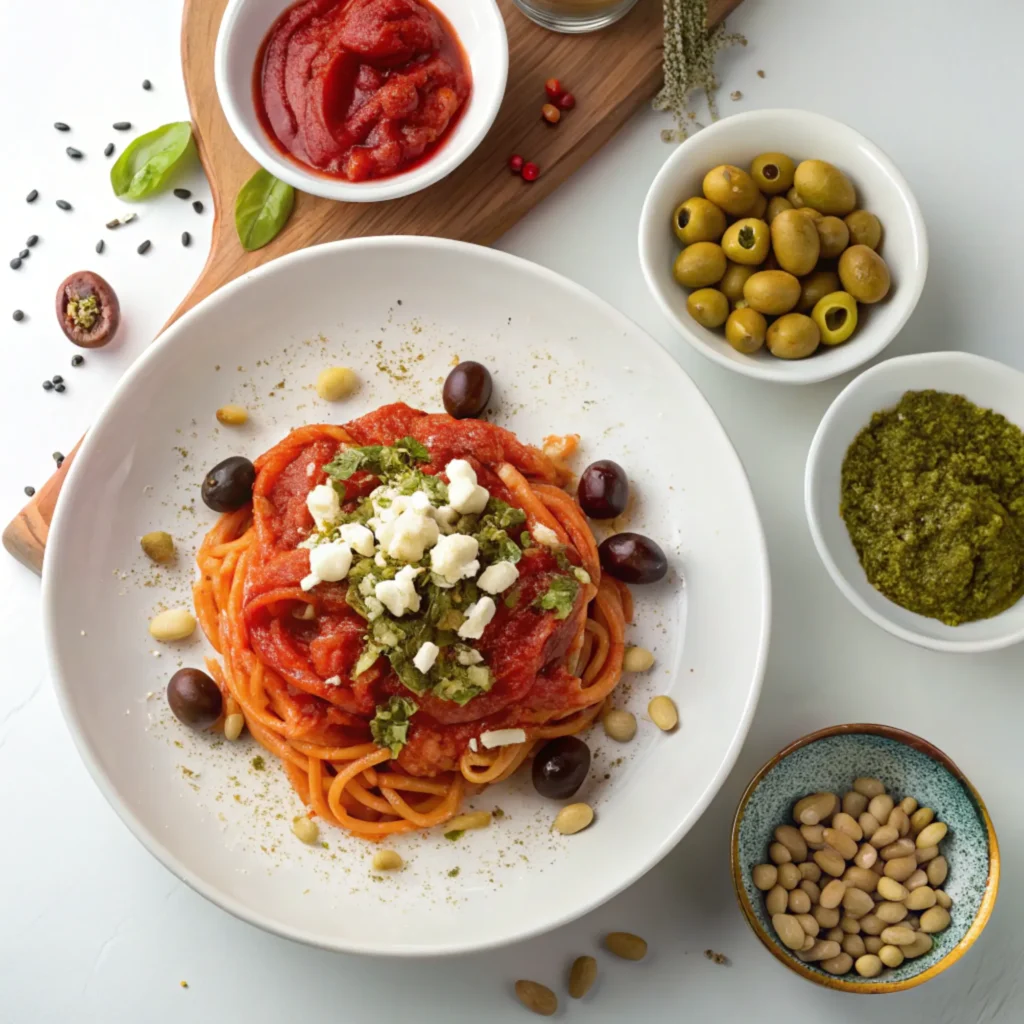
x=575 y=15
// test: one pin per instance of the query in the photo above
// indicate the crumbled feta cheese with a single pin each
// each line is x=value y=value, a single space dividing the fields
x=366 y=585
x=464 y=494
x=498 y=577
x=445 y=517
x=323 y=504
x=330 y=562
x=333 y=681
x=419 y=501
x=472 y=744
x=468 y=656
x=545 y=535
x=310 y=468
x=310 y=581
x=374 y=609
x=479 y=675
x=380 y=561
x=358 y=537
x=407 y=537
x=478 y=615
x=502 y=737
x=399 y=595
x=426 y=656
x=581 y=574
x=453 y=557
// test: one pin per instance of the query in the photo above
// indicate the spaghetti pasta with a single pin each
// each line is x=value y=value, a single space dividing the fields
x=293 y=657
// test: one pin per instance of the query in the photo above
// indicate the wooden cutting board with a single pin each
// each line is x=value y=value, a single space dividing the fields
x=611 y=73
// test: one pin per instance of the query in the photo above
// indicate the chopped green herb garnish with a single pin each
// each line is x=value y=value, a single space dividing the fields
x=559 y=597
x=456 y=833
x=258 y=763
x=390 y=726
x=454 y=873
x=384 y=461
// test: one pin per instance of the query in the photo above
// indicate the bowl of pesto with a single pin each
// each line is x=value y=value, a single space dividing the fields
x=914 y=493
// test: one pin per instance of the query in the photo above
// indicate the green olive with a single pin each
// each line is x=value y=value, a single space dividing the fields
x=864 y=274
x=745 y=330
x=736 y=274
x=708 y=306
x=793 y=336
x=836 y=317
x=772 y=292
x=795 y=242
x=760 y=205
x=810 y=211
x=794 y=199
x=865 y=228
x=746 y=241
x=772 y=173
x=699 y=265
x=775 y=206
x=833 y=235
x=697 y=220
x=824 y=187
x=731 y=188
x=816 y=286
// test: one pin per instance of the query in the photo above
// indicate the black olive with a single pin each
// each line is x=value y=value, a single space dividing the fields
x=603 y=490
x=194 y=698
x=87 y=309
x=632 y=558
x=467 y=391
x=228 y=486
x=561 y=767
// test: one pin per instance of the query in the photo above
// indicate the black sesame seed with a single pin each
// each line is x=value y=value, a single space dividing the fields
x=59 y=388
x=144 y=247
x=61 y=126
x=183 y=193
x=108 y=149
x=24 y=254
x=15 y=263
x=75 y=154
x=63 y=204
x=57 y=379
x=30 y=490
x=197 y=206
x=186 y=239
x=147 y=84
x=77 y=360
x=18 y=316
x=122 y=126
x=32 y=196
x=100 y=245
x=31 y=240
x=47 y=385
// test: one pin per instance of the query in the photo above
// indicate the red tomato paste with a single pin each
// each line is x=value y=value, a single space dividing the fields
x=361 y=89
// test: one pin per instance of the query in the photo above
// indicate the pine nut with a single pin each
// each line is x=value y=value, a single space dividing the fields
x=860 y=878
x=847 y=824
x=335 y=382
x=915 y=881
x=826 y=918
x=935 y=919
x=850 y=925
x=869 y=965
x=810 y=871
x=173 y=624
x=922 y=944
x=921 y=899
x=942 y=899
x=582 y=976
x=778 y=854
x=814 y=809
x=619 y=725
x=799 y=902
x=471 y=819
x=841 y=843
x=900 y=820
x=901 y=848
x=808 y=943
x=908 y=805
x=926 y=853
x=789 y=876
x=308 y=831
x=832 y=894
x=811 y=888
x=920 y=818
x=387 y=860
x=573 y=818
x=857 y=903
x=233 y=726
x=897 y=935
x=901 y=868
x=830 y=862
x=158 y=545
x=869 y=824
x=881 y=807
x=854 y=945
x=854 y=804
x=637 y=659
x=777 y=901
x=870 y=924
x=837 y=964
x=823 y=949
x=890 y=889
x=870 y=787
x=814 y=836
x=765 y=876
x=835 y=934
x=537 y=998
x=937 y=871
x=232 y=415
x=883 y=836
x=792 y=841
x=866 y=856
x=663 y=713
x=809 y=925
x=913 y=922
x=889 y=912
x=632 y=947
x=932 y=835
x=872 y=943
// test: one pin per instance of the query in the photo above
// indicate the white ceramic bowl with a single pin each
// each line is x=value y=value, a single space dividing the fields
x=481 y=30
x=803 y=135
x=398 y=311
x=988 y=384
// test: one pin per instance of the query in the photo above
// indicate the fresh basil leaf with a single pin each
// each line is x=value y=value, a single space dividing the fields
x=390 y=727
x=147 y=164
x=559 y=597
x=345 y=464
x=262 y=208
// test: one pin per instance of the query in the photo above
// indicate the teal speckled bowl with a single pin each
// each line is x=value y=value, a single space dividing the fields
x=909 y=766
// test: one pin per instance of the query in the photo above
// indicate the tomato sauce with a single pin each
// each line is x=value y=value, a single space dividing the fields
x=361 y=89
x=523 y=647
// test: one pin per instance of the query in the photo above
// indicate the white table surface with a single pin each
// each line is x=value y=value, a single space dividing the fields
x=93 y=929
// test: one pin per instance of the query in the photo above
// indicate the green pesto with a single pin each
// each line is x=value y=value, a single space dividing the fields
x=933 y=499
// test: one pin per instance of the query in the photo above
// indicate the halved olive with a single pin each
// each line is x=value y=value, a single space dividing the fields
x=731 y=285
x=864 y=274
x=467 y=390
x=194 y=698
x=603 y=490
x=772 y=173
x=775 y=206
x=560 y=767
x=816 y=286
x=87 y=309
x=708 y=306
x=865 y=228
x=833 y=235
x=228 y=486
x=836 y=317
x=698 y=220
x=699 y=265
x=747 y=241
x=793 y=336
x=731 y=188
x=632 y=558
x=745 y=330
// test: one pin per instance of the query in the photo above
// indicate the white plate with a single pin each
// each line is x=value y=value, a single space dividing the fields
x=401 y=311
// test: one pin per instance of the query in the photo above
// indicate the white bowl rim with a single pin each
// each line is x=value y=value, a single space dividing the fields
x=151 y=842
x=405 y=183
x=860 y=383
x=780 y=371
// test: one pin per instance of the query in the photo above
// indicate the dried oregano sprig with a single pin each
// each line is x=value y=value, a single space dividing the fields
x=690 y=51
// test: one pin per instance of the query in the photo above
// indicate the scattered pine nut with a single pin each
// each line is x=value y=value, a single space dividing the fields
x=336 y=382
x=158 y=545
x=387 y=860
x=619 y=725
x=173 y=624
x=233 y=726
x=306 y=829
x=232 y=415
x=637 y=659
x=573 y=818
x=663 y=713
x=472 y=819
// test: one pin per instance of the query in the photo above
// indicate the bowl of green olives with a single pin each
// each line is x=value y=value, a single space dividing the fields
x=783 y=245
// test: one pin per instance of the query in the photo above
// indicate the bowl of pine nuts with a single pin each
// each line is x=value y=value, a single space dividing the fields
x=864 y=859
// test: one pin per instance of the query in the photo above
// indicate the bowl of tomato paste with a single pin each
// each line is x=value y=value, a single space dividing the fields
x=361 y=100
